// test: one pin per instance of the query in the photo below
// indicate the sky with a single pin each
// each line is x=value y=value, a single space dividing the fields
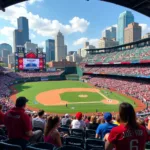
x=78 y=20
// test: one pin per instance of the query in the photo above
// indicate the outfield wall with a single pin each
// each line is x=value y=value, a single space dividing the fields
x=36 y=79
x=79 y=71
x=74 y=77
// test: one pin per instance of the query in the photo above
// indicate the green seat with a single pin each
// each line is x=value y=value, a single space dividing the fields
x=94 y=143
x=69 y=148
x=147 y=147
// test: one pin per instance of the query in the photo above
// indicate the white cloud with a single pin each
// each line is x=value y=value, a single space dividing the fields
x=94 y=42
x=7 y=31
x=145 y=28
x=32 y=36
x=107 y=28
x=30 y=2
x=81 y=41
x=79 y=24
x=44 y=26
x=33 y=1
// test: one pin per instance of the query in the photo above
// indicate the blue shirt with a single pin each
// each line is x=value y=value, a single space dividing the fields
x=104 y=129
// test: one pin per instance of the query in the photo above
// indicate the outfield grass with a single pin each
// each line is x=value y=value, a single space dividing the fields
x=31 y=89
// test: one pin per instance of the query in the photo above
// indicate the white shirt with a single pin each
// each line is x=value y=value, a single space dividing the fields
x=78 y=124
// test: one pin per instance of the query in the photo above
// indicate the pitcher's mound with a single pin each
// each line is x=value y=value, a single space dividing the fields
x=83 y=96
x=110 y=101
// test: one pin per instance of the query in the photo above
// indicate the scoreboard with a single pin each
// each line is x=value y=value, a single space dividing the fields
x=29 y=61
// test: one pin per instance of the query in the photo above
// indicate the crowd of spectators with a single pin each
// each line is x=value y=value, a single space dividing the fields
x=7 y=77
x=120 y=70
x=25 y=126
x=137 y=89
x=134 y=54
x=17 y=75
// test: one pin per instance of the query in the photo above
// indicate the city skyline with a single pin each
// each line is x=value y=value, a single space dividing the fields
x=78 y=26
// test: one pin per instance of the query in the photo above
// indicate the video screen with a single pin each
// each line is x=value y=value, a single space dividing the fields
x=30 y=63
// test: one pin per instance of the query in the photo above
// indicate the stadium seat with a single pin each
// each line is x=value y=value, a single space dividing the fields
x=90 y=134
x=94 y=143
x=68 y=147
x=75 y=141
x=37 y=128
x=3 y=138
x=77 y=133
x=20 y=142
x=2 y=132
x=33 y=148
x=64 y=130
x=97 y=149
x=6 y=146
x=43 y=145
x=64 y=126
x=147 y=147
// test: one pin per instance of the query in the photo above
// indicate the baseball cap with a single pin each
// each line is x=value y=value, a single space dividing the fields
x=108 y=116
x=79 y=115
x=66 y=115
x=21 y=101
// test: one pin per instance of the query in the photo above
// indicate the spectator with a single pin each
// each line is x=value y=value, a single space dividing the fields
x=92 y=124
x=66 y=120
x=51 y=135
x=39 y=122
x=117 y=120
x=105 y=127
x=19 y=125
x=98 y=121
x=1 y=116
x=78 y=123
x=87 y=120
x=141 y=122
x=129 y=135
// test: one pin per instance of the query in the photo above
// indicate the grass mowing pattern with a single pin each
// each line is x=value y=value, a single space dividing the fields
x=74 y=97
x=31 y=89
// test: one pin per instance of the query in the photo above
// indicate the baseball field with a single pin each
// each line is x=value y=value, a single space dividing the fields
x=70 y=96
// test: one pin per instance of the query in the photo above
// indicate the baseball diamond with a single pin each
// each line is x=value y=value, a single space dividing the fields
x=52 y=96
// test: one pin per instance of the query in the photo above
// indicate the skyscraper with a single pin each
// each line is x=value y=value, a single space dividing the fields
x=60 y=50
x=21 y=35
x=24 y=27
x=132 y=33
x=5 y=46
x=5 y=50
x=125 y=18
x=50 y=50
x=86 y=44
x=65 y=50
x=105 y=43
x=109 y=33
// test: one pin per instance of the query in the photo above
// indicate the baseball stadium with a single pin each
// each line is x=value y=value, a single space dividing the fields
x=104 y=83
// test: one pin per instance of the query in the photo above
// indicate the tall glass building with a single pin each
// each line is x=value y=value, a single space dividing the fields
x=50 y=50
x=24 y=27
x=21 y=35
x=125 y=18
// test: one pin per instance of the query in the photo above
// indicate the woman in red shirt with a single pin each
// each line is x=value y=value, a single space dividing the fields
x=129 y=135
